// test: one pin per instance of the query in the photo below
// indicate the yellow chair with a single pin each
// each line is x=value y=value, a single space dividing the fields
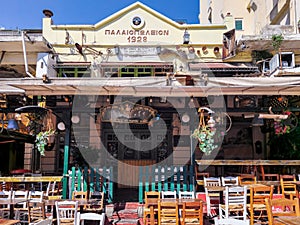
x=150 y=210
x=284 y=207
x=257 y=206
x=168 y=212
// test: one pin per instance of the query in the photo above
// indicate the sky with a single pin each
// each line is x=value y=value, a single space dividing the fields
x=28 y=14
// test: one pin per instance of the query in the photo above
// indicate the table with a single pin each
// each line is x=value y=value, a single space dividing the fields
x=11 y=203
x=289 y=220
x=8 y=222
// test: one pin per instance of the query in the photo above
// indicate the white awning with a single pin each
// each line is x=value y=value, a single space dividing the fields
x=157 y=86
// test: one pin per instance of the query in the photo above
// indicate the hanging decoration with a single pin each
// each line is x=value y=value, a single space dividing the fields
x=205 y=132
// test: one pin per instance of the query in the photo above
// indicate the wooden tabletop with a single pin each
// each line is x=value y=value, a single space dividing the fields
x=8 y=222
x=291 y=220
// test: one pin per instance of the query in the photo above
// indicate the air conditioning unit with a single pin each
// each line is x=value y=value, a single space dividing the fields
x=283 y=60
x=44 y=65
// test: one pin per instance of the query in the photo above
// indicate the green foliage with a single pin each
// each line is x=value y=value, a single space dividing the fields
x=205 y=136
x=260 y=55
x=277 y=41
x=41 y=140
x=285 y=146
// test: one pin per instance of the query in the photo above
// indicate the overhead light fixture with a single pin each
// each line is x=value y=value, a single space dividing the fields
x=75 y=119
x=107 y=99
x=150 y=100
x=186 y=37
x=185 y=118
x=61 y=126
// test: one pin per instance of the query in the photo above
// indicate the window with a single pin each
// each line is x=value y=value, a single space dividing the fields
x=238 y=24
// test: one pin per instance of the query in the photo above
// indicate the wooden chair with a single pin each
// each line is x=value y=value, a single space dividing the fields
x=229 y=181
x=151 y=197
x=283 y=207
x=235 y=206
x=80 y=195
x=267 y=176
x=212 y=181
x=288 y=189
x=192 y=213
x=4 y=209
x=212 y=202
x=97 y=204
x=92 y=217
x=168 y=213
x=66 y=212
x=246 y=179
x=36 y=212
x=257 y=206
x=199 y=177
x=36 y=196
x=21 y=209
x=186 y=195
x=168 y=194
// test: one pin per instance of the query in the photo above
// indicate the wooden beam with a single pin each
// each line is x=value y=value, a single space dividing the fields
x=230 y=162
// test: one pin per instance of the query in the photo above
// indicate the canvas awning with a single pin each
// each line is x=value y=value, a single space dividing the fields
x=157 y=86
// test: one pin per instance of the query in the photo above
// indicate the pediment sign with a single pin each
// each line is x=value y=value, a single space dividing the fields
x=127 y=112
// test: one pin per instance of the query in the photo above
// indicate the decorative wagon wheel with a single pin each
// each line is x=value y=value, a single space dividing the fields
x=223 y=119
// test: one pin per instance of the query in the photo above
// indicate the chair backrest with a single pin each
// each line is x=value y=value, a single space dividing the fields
x=80 y=195
x=21 y=195
x=97 y=198
x=259 y=193
x=236 y=197
x=229 y=181
x=36 y=211
x=168 y=212
x=200 y=175
x=36 y=196
x=6 y=194
x=246 y=179
x=151 y=196
x=186 y=194
x=212 y=181
x=281 y=207
x=287 y=187
x=66 y=211
x=192 y=212
x=92 y=216
x=168 y=194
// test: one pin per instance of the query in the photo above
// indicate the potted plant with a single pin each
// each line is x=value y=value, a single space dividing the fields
x=43 y=140
x=205 y=136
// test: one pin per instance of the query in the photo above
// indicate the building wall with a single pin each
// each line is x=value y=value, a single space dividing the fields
x=256 y=14
x=135 y=44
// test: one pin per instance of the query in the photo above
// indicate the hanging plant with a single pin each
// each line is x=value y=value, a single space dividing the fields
x=205 y=135
x=42 y=140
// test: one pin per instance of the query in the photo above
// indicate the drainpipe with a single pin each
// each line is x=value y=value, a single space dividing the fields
x=25 y=57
